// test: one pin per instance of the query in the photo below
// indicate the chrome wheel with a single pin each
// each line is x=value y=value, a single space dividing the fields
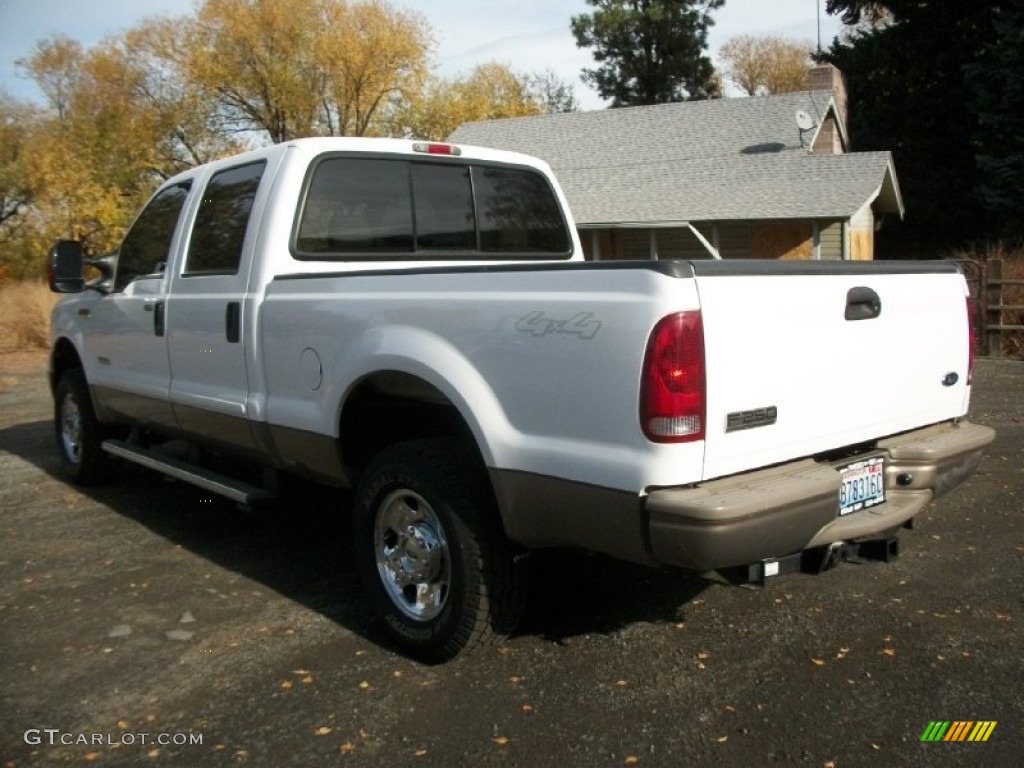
x=412 y=555
x=71 y=428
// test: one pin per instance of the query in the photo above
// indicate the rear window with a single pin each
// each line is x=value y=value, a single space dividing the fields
x=364 y=208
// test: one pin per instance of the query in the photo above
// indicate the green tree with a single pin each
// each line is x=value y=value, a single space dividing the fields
x=649 y=51
x=996 y=84
x=909 y=93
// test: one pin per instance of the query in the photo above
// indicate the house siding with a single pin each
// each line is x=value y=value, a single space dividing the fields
x=862 y=235
x=830 y=241
x=786 y=240
x=681 y=243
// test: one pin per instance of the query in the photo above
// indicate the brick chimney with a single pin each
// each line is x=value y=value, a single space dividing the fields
x=825 y=77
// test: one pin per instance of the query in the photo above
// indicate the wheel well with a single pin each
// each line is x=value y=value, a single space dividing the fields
x=392 y=407
x=63 y=358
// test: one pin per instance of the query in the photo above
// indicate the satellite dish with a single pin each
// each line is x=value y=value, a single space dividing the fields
x=804 y=121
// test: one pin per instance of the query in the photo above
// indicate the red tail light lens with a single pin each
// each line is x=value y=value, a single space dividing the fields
x=972 y=338
x=673 y=388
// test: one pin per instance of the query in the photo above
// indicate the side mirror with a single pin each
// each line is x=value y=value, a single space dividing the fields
x=64 y=267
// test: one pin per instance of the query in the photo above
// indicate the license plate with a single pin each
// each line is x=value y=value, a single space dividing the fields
x=863 y=485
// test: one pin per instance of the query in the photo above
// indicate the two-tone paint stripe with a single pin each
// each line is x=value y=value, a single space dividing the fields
x=958 y=730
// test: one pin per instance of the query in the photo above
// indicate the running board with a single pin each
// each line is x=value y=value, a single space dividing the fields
x=236 y=490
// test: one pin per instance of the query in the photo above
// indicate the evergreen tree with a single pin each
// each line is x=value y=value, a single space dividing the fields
x=649 y=51
x=996 y=85
x=928 y=80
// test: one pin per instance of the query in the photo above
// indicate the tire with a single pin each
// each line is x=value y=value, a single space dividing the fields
x=439 y=572
x=79 y=433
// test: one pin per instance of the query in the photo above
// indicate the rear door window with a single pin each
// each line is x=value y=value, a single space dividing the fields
x=222 y=220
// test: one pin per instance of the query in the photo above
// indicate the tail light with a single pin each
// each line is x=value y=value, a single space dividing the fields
x=972 y=337
x=673 y=387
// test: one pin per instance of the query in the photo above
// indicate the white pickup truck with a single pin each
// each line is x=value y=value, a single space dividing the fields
x=416 y=321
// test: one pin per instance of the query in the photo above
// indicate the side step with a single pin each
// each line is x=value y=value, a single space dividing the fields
x=236 y=490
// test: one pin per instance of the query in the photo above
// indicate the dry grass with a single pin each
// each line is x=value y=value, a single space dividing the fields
x=25 y=315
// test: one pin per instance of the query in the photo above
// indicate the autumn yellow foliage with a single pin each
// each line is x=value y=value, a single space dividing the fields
x=766 y=65
x=127 y=114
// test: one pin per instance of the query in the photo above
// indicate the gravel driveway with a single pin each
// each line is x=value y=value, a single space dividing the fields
x=141 y=617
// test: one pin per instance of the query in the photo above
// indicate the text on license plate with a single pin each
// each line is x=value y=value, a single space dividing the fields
x=863 y=485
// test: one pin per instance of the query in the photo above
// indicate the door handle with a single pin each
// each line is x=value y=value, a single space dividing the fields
x=233 y=322
x=158 y=317
x=862 y=303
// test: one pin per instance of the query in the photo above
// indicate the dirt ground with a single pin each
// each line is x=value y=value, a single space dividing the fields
x=143 y=615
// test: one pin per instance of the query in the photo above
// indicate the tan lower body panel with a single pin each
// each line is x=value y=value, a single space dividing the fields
x=782 y=510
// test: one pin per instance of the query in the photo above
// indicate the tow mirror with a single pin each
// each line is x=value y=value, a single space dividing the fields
x=65 y=266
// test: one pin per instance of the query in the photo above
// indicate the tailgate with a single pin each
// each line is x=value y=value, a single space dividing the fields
x=799 y=361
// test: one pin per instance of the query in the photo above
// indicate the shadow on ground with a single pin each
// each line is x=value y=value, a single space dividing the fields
x=300 y=547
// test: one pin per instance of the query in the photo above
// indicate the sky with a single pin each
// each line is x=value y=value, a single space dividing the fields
x=527 y=35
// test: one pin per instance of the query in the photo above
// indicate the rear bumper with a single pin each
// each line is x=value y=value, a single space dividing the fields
x=789 y=508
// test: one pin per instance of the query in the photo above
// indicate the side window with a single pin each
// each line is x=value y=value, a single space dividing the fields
x=518 y=212
x=147 y=245
x=443 y=198
x=357 y=205
x=223 y=217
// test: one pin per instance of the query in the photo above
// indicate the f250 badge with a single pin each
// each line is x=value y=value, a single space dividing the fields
x=581 y=324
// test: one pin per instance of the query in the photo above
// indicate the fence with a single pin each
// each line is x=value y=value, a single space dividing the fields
x=997 y=287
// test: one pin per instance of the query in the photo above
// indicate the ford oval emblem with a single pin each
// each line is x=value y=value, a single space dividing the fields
x=951 y=379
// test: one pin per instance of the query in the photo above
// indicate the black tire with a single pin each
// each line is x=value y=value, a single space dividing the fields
x=439 y=572
x=79 y=433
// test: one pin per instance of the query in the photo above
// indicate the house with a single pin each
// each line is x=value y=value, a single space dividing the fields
x=763 y=177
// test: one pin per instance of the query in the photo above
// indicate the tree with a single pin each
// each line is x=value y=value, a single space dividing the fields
x=377 y=60
x=766 y=65
x=190 y=127
x=997 y=96
x=908 y=93
x=551 y=92
x=15 y=191
x=491 y=91
x=53 y=65
x=306 y=67
x=115 y=128
x=171 y=93
x=648 y=51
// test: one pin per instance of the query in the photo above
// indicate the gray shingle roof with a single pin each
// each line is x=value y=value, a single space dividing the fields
x=717 y=160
